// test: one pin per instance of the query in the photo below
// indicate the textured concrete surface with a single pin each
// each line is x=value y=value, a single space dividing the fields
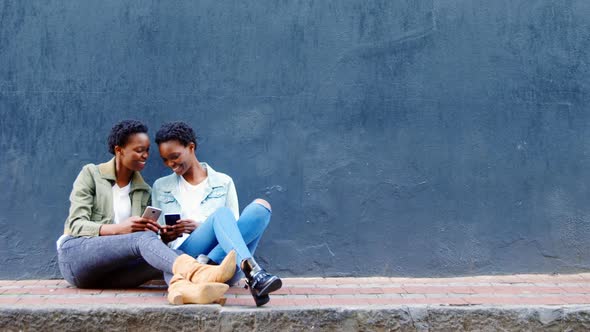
x=398 y=318
x=487 y=303
x=393 y=137
x=204 y=318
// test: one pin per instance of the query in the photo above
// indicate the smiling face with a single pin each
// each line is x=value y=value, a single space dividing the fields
x=135 y=152
x=178 y=157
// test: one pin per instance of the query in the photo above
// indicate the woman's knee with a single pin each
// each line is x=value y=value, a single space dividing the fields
x=144 y=237
x=264 y=203
x=145 y=234
x=224 y=213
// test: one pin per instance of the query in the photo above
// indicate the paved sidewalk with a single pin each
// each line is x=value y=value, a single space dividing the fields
x=552 y=290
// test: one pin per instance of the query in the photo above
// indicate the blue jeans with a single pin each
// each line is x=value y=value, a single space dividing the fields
x=115 y=261
x=221 y=233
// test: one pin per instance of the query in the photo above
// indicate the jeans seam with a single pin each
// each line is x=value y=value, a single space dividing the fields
x=151 y=250
x=232 y=241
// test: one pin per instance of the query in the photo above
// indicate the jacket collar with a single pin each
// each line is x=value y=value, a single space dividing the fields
x=212 y=177
x=171 y=183
x=108 y=172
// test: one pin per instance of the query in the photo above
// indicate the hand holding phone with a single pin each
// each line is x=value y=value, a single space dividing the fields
x=178 y=225
x=133 y=224
x=168 y=232
x=151 y=213
x=171 y=218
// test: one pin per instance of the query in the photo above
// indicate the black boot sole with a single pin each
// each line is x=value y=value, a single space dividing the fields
x=261 y=300
x=273 y=286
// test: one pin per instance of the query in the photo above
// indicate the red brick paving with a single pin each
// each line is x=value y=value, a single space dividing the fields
x=316 y=292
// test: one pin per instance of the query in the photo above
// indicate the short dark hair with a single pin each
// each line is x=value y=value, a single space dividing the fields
x=122 y=130
x=179 y=131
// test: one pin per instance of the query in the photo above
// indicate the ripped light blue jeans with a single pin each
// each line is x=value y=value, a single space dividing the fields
x=221 y=233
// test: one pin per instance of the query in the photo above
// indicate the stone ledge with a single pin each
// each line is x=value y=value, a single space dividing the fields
x=216 y=318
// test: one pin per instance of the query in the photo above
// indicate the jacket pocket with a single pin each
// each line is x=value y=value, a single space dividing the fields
x=216 y=193
x=166 y=198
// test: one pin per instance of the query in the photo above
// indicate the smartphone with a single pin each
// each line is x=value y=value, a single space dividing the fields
x=151 y=213
x=171 y=218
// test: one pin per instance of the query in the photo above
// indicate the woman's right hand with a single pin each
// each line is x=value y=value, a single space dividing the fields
x=139 y=224
x=130 y=225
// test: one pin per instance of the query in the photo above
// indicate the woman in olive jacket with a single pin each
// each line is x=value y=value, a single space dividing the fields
x=107 y=244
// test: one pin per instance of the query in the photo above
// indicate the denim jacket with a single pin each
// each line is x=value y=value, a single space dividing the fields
x=220 y=191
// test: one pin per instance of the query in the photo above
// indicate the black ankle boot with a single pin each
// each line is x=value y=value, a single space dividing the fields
x=260 y=300
x=259 y=281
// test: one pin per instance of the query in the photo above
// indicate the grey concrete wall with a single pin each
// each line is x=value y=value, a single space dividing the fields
x=405 y=138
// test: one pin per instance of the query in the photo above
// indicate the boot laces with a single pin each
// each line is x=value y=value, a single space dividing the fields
x=258 y=278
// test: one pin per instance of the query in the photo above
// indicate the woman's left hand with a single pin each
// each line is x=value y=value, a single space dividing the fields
x=168 y=234
x=185 y=226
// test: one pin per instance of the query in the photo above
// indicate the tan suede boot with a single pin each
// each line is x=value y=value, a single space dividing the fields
x=196 y=272
x=182 y=291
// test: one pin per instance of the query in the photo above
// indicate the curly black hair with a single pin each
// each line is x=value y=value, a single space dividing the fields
x=179 y=131
x=122 y=130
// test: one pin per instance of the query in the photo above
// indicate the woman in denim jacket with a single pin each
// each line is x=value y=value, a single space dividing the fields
x=107 y=244
x=208 y=204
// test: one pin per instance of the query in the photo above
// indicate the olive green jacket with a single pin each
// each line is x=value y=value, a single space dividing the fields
x=91 y=200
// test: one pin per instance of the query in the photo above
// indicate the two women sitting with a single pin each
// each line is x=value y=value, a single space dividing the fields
x=107 y=244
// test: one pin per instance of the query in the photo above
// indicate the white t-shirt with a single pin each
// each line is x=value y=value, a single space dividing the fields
x=121 y=202
x=190 y=197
